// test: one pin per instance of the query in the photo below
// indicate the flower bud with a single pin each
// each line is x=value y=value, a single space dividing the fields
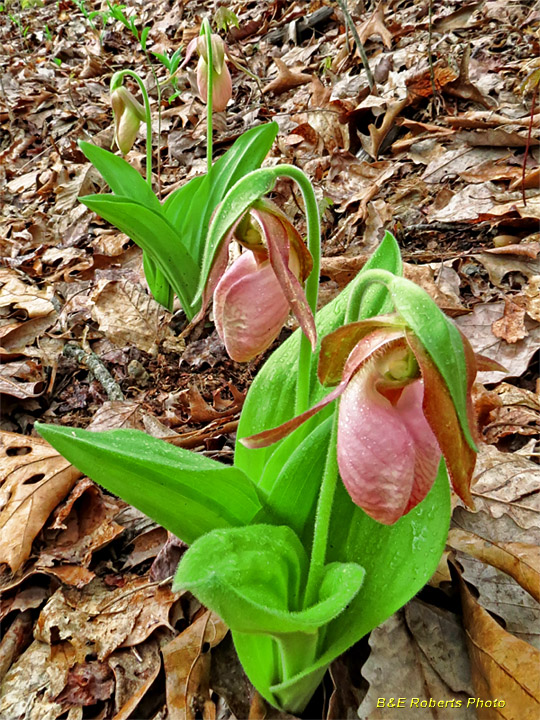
x=221 y=78
x=128 y=114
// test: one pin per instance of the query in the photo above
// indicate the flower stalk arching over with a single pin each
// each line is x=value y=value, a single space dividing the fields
x=254 y=296
x=396 y=417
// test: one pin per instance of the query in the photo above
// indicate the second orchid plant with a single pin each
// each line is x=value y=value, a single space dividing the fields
x=336 y=509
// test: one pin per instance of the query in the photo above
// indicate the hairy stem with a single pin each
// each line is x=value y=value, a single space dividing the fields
x=116 y=81
x=323 y=516
x=207 y=32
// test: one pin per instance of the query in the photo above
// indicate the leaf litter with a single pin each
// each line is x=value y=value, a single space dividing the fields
x=436 y=155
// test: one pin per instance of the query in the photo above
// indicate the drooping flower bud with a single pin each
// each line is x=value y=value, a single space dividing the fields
x=128 y=115
x=221 y=78
x=253 y=298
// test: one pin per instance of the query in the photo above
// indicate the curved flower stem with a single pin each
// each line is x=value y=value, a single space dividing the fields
x=323 y=516
x=312 y=283
x=207 y=32
x=116 y=81
x=358 y=287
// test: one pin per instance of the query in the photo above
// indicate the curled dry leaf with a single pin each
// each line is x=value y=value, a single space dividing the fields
x=35 y=478
x=515 y=357
x=286 y=79
x=187 y=668
x=519 y=560
x=98 y=620
x=513 y=607
x=503 y=666
x=134 y=675
x=511 y=326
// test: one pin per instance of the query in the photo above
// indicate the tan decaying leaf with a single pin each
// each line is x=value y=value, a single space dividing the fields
x=515 y=357
x=511 y=326
x=507 y=484
x=519 y=560
x=134 y=675
x=35 y=478
x=286 y=79
x=127 y=315
x=418 y=654
x=98 y=620
x=23 y=690
x=513 y=607
x=532 y=297
x=20 y=295
x=187 y=667
x=504 y=668
x=375 y=26
x=18 y=379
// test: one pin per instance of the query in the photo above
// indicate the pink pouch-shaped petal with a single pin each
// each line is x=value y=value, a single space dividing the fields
x=249 y=308
x=427 y=451
x=375 y=451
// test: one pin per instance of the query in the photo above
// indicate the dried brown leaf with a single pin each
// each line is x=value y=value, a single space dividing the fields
x=186 y=667
x=35 y=478
x=503 y=666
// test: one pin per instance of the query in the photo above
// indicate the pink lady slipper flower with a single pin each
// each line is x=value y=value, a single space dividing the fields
x=254 y=296
x=396 y=417
x=221 y=78
x=128 y=115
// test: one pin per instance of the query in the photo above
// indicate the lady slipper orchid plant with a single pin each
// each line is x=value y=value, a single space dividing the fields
x=396 y=417
x=253 y=297
x=279 y=547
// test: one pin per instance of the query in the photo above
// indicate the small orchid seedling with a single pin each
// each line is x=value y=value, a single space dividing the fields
x=299 y=564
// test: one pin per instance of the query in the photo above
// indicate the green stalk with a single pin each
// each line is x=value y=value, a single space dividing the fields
x=116 y=81
x=323 y=516
x=207 y=32
x=312 y=283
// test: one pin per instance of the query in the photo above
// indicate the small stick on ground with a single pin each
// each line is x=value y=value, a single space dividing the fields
x=359 y=43
x=95 y=365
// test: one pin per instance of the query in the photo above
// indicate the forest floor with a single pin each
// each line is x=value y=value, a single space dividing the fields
x=444 y=153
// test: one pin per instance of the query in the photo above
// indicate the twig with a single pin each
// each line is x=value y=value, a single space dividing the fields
x=96 y=366
x=430 y=57
x=359 y=44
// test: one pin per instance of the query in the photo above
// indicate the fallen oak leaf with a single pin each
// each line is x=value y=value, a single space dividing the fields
x=517 y=559
x=375 y=26
x=286 y=79
x=511 y=327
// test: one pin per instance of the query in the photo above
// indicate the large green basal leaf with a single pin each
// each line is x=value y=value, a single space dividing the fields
x=125 y=181
x=187 y=493
x=120 y=176
x=398 y=561
x=156 y=236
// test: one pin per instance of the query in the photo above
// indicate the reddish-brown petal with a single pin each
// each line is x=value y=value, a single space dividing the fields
x=441 y=415
x=338 y=345
x=276 y=234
